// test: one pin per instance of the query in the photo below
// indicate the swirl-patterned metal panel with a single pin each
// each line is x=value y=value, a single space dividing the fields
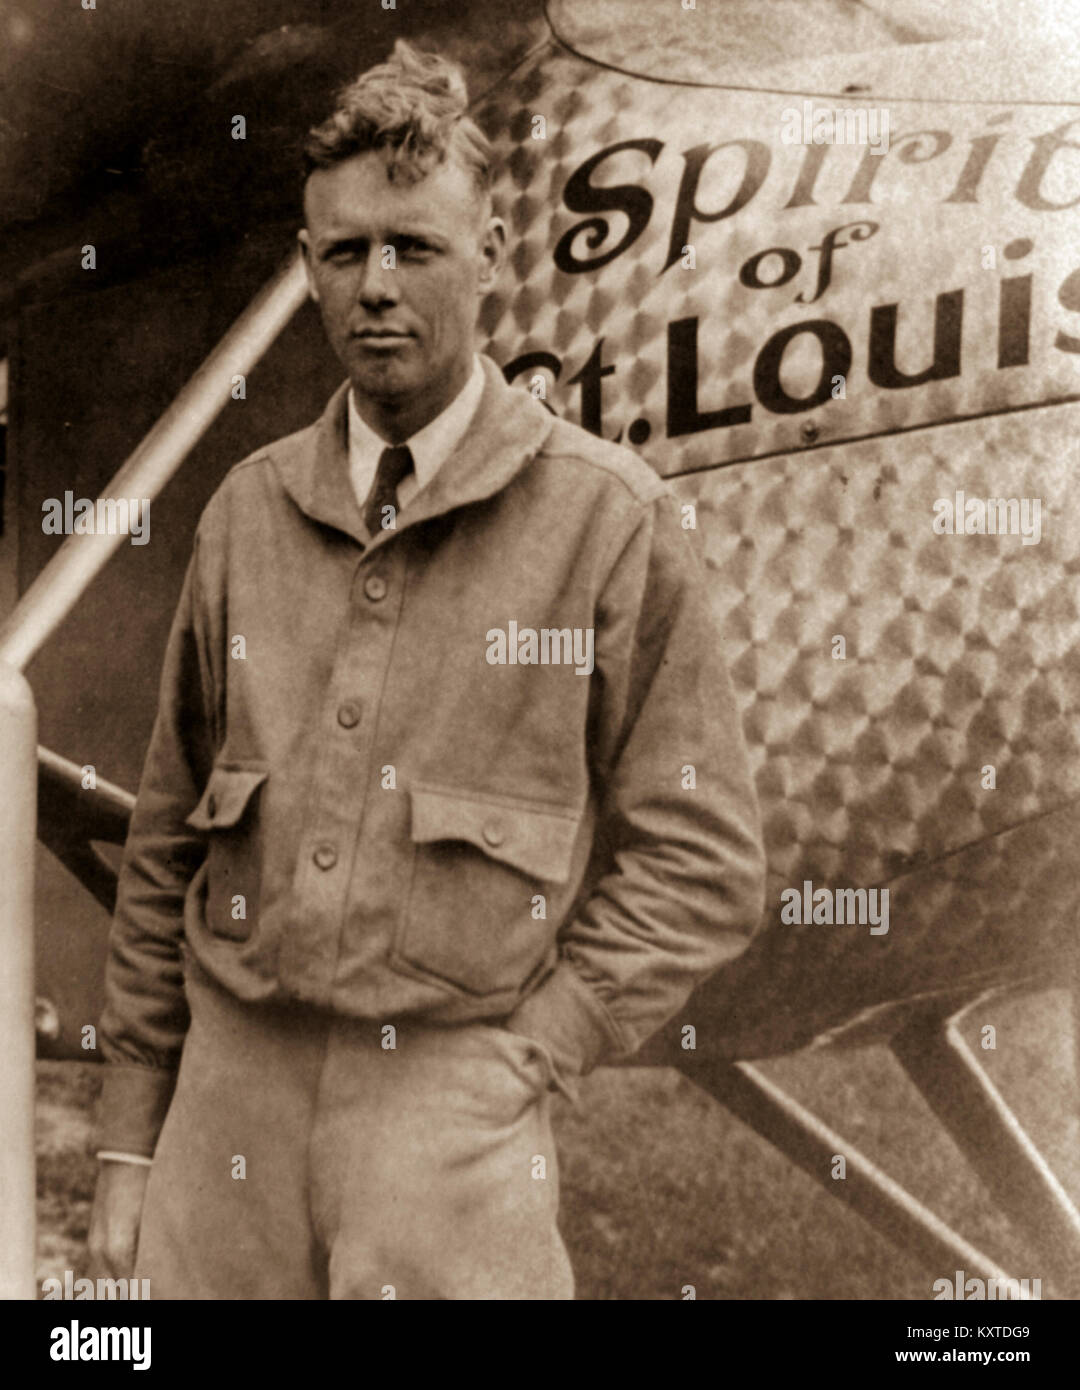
x=822 y=346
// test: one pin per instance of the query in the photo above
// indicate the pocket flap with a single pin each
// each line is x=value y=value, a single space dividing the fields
x=226 y=797
x=538 y=842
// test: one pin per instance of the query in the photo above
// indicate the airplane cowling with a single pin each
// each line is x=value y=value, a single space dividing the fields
x=821 y=346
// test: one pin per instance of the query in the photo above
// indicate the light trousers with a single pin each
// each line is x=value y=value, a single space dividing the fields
x=301 y=1158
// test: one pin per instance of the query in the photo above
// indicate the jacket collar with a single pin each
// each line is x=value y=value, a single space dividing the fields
x=508 y=429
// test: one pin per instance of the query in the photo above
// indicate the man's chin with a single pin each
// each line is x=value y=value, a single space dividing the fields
x=384 y=380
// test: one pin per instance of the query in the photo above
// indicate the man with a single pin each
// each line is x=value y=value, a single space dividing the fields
x=415 y=845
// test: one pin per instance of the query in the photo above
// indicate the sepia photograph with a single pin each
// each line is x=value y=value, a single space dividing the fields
x=540 y=659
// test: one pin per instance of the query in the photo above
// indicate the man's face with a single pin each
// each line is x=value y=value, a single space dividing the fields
x=403 y=333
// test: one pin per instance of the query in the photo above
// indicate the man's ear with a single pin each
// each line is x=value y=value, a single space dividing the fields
x=305 y=253
x=493 y=253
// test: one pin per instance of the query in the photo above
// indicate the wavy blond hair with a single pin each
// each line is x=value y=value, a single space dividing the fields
x=413 y=110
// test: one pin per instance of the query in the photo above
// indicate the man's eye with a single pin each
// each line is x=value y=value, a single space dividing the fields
x=416 y=250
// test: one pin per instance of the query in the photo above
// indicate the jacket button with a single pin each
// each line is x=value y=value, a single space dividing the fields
x=348 y=715
x=493 y=833
x=211 y=805
x=375 y=587
x=326 y=856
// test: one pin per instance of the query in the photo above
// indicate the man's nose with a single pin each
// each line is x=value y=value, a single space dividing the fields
x=378 y=283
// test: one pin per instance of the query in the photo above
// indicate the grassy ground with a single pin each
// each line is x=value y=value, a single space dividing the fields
x=663 y=1188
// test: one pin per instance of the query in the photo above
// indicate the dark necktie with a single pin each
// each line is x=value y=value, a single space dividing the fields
x=394 y=463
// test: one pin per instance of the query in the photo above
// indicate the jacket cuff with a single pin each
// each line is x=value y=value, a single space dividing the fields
x=567 y=1018
x=132 y=1108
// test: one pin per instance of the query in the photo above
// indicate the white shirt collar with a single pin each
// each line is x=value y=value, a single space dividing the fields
x=430 y=446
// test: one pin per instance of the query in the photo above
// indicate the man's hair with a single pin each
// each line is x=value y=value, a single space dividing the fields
x=412 y=109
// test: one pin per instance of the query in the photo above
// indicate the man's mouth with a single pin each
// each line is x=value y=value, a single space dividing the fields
x=382 y=337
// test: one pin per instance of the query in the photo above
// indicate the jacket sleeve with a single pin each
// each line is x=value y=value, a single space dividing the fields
x=681 y=874
x=145 y=1017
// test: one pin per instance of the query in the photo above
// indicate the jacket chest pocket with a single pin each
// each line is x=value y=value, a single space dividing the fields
x=228 y=813
x=480 y=864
